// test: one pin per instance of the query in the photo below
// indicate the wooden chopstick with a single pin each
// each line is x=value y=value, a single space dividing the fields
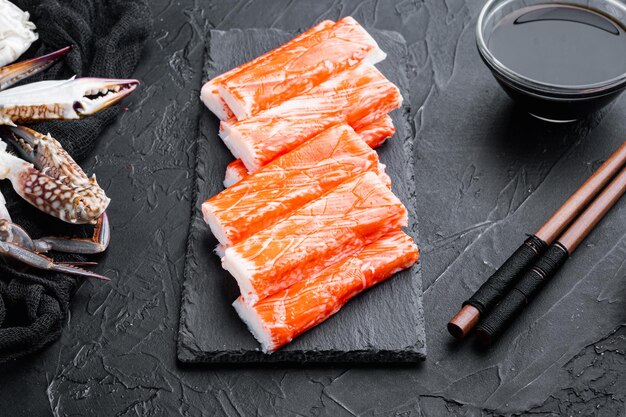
x=590 y=188
x=524 y=291
x=490 y=293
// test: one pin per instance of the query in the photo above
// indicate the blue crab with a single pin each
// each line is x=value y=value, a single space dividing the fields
x=44 y=174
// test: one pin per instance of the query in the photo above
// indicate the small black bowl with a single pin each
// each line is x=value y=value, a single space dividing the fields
x=555 y=103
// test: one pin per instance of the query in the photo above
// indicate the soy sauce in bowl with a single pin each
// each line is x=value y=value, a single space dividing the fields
x=560 y=44
x=559 y=60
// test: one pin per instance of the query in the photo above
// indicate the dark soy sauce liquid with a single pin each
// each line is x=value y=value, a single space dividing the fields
x=560 y=44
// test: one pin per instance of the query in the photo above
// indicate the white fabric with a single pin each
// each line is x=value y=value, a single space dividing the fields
x=17 y=33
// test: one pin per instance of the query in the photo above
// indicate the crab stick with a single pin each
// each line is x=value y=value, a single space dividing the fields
x=279 y=318
x=345 y=98
x=235 y=172
x=317 y=235
x=288 y=183
x=374 y=134
x=295 y=69
x=209 y=93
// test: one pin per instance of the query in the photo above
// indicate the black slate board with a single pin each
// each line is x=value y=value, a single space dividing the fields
x=385 y=324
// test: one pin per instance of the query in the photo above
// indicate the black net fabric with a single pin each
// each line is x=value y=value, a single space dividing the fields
x=107 y=39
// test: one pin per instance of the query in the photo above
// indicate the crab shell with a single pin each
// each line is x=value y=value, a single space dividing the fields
x=83 y=204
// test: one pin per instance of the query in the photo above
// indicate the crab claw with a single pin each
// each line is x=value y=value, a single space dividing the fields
x=100 y=93
x=54 y=184
x=39 y=261
x=46 y=153
x=70 y=99
x=98 y=243
x=12 y=233
x=14 y=73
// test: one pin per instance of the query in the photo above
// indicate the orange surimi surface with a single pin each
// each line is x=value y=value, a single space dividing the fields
x=210 y=94
x=307 y=63
x=317 y=235
x=235 y=172
x=288 y=183
x=374 y=134
x=279 y=318
x=347 y=97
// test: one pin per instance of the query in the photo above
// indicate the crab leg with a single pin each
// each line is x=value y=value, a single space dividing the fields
x=38 y=261
x=11 y=232
x=97 y=244
x=17 y=244
x=4 y=213
x=12 y=74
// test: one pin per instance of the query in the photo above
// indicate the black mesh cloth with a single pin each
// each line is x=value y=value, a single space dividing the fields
x=107 y=39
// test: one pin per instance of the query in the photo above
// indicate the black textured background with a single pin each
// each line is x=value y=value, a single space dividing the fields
x=486 y=175
x=385 y=324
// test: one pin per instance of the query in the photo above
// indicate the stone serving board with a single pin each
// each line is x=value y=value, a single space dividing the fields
x=384 y=324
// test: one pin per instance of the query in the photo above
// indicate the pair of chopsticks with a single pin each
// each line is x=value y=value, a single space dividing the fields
x=513 y=286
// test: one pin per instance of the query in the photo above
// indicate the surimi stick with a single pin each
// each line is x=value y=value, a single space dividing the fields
x=296 y=69
x=288 y=183
x=279 y=318
x=319 y=234
x=345 y=98
x=374 y=134
x=235 y=172
x=209 y=93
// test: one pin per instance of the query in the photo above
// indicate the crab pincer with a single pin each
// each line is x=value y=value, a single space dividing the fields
x=96 y=244
x=49 y=179
x=14 y=73
x=62 y=100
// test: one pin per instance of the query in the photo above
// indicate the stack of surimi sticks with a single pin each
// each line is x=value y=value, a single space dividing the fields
x=308 y=219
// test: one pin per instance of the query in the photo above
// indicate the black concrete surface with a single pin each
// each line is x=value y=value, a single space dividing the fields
x=485 y=175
